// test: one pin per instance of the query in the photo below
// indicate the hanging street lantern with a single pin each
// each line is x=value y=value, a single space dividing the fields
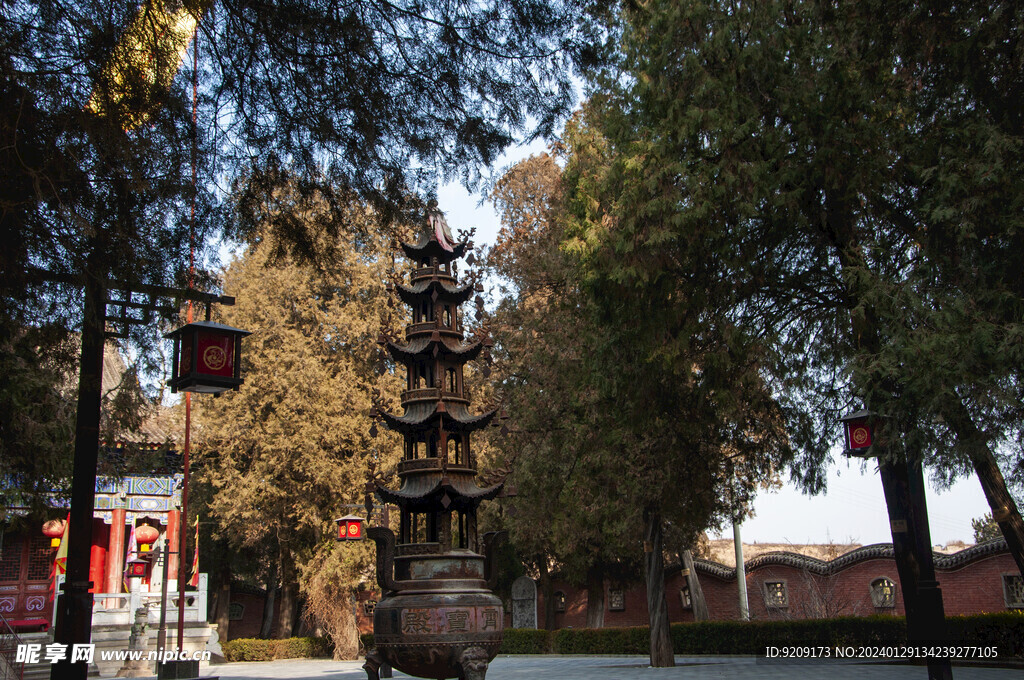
x=858 y=432
x=350 y=528
x=207 y=357
x=136 y=568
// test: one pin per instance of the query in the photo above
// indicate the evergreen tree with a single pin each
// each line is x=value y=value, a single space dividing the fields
x=689 y=424
x=985 y=528
x=284 y=454
x=821 y=155
x=615 y=412
x=562 y=517
x=119 y=143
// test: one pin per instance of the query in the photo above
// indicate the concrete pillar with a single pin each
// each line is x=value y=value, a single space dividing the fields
x=741 y=572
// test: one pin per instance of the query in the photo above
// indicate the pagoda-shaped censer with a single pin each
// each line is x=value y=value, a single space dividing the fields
x=437 y=617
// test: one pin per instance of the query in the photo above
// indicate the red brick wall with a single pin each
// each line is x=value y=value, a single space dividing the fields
x=972 y=589
x=978 y=587
x=252 y=615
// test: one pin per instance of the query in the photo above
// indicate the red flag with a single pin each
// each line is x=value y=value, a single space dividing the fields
x=60 y=560
x=194 y=581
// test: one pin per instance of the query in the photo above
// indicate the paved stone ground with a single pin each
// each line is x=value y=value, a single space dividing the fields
x=615 y=668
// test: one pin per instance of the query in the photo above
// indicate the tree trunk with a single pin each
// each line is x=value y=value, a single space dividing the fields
x=289 y=594
x=698 y=604
x=1004 y=508
x=595 y=597
x=346 y=640
x=268 y=602
x=222 y=612
x=895 y=486
x=657 y=607
x=547 y=589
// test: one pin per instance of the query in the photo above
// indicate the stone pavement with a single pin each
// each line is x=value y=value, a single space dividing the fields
x=522 y=667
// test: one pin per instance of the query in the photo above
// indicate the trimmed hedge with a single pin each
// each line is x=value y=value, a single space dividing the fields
x=1005 y=630
x=635 y=640
x=253 y=649
x=525 y=641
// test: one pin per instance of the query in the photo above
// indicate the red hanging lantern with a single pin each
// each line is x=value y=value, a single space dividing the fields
x=54 y=530
x=350 y=528
x=136 y=568
x=207 y=357
x=858 y=432
x=145 y=535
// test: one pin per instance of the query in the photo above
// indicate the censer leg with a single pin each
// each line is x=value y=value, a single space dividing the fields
x=372 y=665
x=473 y=662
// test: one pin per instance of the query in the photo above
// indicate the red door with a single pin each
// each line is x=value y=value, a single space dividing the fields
x=25 y=567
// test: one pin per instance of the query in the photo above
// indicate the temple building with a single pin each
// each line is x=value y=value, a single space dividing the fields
x=128 y=503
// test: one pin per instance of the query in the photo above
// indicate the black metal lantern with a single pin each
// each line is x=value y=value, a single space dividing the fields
x=858 y=432
x=136 y=568
x=350 y=528
x=207 y=357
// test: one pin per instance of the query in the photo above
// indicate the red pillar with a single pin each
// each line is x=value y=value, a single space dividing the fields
x=173 y=529
x=114 y=577
x=98 y=555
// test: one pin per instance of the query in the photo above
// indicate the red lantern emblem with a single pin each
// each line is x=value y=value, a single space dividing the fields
x=207 y=357
x=858 y=432
x=350 y=528
x=136 y=568
x=145 y=536
x=860 y=436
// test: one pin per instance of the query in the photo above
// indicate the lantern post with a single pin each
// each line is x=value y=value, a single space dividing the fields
x=903 y=486
x=110 y=308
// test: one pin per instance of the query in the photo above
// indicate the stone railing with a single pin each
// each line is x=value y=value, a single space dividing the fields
x=10 y=668
x=119 y=608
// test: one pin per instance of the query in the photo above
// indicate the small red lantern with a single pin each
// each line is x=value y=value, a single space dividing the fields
x=145 y=535
x=207 y=357
x=350 y=528
x=858 y=432
x=54 y=530
x=136 y=568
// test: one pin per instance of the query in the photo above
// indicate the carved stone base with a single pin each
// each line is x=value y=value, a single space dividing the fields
x=372 y=665
x=473 y=664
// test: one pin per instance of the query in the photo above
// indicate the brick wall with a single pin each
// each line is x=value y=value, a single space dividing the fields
x=972 y=588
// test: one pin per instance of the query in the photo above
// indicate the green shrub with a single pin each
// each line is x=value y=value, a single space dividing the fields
x=366 y=640
x=252 y=649
x=602 y=641
x=1005 y=630
x=525 y=641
